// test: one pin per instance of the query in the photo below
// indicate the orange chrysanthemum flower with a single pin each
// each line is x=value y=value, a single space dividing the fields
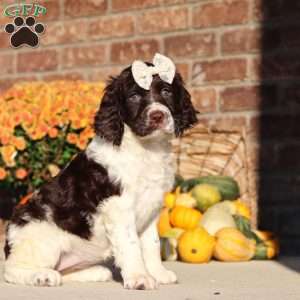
x=5 y=139
x=21 y=173
x=81 y=143
x=53 y=132
x=72 y=138
x=19 y=143
x=17 y=119
x=87 y=133
x=3 y=173
x=8 y=154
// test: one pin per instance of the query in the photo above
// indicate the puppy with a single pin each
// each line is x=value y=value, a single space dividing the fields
x=106 y=201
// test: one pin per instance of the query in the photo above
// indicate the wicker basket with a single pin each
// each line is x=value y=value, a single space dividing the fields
x=213 y=151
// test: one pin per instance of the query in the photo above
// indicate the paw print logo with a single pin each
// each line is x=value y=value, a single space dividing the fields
x=24 y=33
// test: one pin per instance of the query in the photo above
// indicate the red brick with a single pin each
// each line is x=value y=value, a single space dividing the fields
x=43 y=60
x=191 y=45
x=104 y=73
x=4 y=20
x=64 y=76
x=254 y=71
x=133 y=4
x=4 y=40
x=53 y=10
x=7 y=63
x=219 y=70
x=204 y=100
x=84 y=56
x=254 y=124
x=241 y=40
x=112 y=26
x=168 y=2
x=163 y=20
x=79 y=8
x=240 y=98
x=126 y=52
x=220 y=13
x=248 y=98
x=64 y=32
x=183 y=70
x=257 y=12
x=228 y=123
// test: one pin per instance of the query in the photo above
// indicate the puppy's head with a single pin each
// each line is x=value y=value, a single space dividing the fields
x=164 y=109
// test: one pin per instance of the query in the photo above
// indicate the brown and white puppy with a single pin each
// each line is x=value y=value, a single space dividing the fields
x=106 y=201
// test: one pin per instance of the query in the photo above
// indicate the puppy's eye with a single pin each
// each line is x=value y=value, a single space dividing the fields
x=165 y=92
x=134 y=97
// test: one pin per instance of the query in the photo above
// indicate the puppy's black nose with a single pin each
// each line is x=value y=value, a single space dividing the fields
x=157 y=117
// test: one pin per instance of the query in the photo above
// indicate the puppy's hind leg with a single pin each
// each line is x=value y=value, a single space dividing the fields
x=35 y=251
x=91 y=274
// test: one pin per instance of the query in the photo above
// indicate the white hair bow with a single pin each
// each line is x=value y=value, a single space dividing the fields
x=143 y=74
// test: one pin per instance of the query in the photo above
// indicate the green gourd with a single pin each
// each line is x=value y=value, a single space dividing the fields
x=226 y=185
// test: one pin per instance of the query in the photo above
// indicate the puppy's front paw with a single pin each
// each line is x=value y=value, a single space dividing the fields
x=164 y=276
x=140 y=282
x=46 y=278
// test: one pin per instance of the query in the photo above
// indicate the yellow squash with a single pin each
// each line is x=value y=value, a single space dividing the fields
x=272 y=248
x=242 y=209
x=196 y=246
x=185 y=217
x=169 y=200
x=206 y=196
x=163 y=225
x=269 y=248
x=232 y=245
x=264 y=234
x=186 y=199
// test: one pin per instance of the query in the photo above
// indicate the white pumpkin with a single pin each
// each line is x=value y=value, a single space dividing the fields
x=218 y=217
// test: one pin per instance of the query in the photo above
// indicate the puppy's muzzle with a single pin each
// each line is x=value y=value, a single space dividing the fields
x=157 y=118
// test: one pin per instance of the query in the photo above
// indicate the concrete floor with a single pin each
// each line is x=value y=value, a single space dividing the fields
x=255 y=280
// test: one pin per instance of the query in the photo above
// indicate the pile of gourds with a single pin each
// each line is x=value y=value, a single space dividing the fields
x=203 y=218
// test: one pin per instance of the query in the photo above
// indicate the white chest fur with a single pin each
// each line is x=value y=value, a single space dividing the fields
x=145 y=171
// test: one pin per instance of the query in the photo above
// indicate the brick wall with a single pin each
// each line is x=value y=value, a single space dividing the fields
x=238 y=58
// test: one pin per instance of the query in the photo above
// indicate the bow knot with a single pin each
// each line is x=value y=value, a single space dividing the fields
x=143 y=74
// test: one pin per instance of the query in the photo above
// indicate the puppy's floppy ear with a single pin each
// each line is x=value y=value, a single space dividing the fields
x=108 y=120
x=185 y=113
